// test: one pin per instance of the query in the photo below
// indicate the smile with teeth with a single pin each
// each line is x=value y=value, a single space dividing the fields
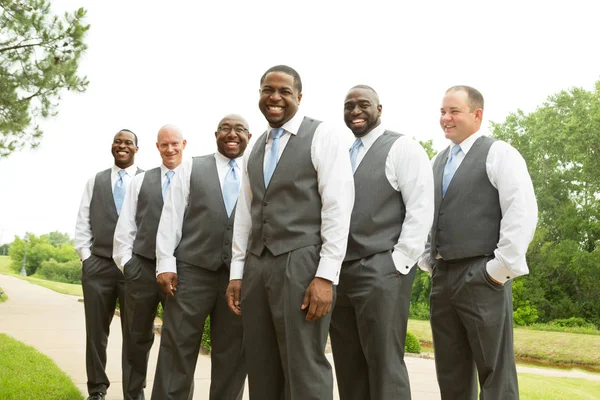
x=358 y=121
x=275 y=108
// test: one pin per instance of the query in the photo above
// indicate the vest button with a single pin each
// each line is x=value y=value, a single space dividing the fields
x=265 y=204
x=265 y=240
x=227 y=242
x=264 y=221
x=441 y=213
x=439 y=229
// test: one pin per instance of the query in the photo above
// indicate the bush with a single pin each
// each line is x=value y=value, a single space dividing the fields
x=572 y=322
x=412 y=344
x=206 y=335
x=419 y=311
x=525 y=315
x=66 y=272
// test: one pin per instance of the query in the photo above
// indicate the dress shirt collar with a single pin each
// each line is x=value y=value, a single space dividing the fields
x=466 y=144
x=223 y=162
x=163 y=169
x=292 y=126
x=131 y=170
x=372 y=136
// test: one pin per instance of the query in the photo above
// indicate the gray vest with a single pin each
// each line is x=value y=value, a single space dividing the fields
x=287 y=215
x=207 y=230
x=467 y=220
x=103 y=215
x=149 y=208
x=379 y=210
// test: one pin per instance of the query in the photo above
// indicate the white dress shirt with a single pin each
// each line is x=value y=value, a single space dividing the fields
x=176 y=202
x=83 y=229
x=126 y=229
x=329 y=156
x=409 y=172
x=507 y=172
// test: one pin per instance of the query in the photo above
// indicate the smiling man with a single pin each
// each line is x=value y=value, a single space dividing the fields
x=134 y=251
x=101 y=279
x=193 y=249
x=388 y=232
x=290 y=236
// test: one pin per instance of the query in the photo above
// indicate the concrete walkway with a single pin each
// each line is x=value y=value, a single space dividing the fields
x=54 y=324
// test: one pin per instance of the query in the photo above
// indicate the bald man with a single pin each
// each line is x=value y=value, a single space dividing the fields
x=134 y=252
x=193 y=249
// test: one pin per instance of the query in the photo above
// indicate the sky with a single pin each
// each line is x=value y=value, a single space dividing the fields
x=187 y=63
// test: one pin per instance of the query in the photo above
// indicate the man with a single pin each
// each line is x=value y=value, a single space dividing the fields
x=485 y=217
x=101 y=279
x=193 y=249
x=392 y=215
x=290 y=238
x=134 y=251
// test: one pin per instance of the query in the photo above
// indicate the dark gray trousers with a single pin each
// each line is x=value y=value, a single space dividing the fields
x=102 y=284
x=472 y=325
x=200 y=293
x=142 y=296
x=368 y=329
x=285 y=353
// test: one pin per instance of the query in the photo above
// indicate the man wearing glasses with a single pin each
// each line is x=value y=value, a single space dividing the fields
x=193 y=249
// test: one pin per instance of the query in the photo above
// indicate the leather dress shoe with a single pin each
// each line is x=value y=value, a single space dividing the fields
x=96 y=396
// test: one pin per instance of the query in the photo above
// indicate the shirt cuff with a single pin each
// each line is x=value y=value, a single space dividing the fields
x=236 y=270
x=329 y=269
x=425 y=263
x=124 y=260
x=402 y=262
x=498 y=271
x=85 y=254
x=166 y=265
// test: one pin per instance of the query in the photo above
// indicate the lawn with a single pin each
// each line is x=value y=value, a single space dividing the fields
x=65 y=288
x=554 y=349
x=540 y=387
x=27 y=374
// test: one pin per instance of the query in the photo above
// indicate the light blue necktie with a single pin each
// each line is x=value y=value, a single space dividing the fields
x=450 y=169
x=272 y=162
x=231 y=188
x=119 y=191
x=169 y=174
x=354 y=153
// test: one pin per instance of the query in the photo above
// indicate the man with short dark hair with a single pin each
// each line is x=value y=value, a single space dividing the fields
x=290 y=236
x=101 y=279
x=193 y=251
x=392 y=215
x=485 y=217
x=134 y=251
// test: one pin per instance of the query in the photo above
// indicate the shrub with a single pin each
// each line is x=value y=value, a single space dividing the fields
x=412 y=344
x=66 y=272
x=525 y=315
x=419 y=311
x=573 y=322
x=206 y=335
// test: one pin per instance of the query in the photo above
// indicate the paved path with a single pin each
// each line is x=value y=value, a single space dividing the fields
x=54 y=324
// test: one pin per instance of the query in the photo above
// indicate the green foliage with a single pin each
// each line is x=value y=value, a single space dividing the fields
x=67 y=272
x=560 y=142
x=57 y=239
x=3 y=296
x=428 y=146
x=588 y=329
x=4 y=249
x=206 y=335
x=39 y=57
x=572 y=322
x=27 y=374
x=412 y=345
x=40 y=249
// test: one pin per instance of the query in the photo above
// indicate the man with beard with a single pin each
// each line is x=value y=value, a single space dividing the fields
x=134 y=251
x=485 y=217
x=193 y=250
x=101 y=279
x=290 y=239
x=392 y=215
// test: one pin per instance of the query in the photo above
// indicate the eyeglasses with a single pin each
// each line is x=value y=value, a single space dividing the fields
x=238 y=129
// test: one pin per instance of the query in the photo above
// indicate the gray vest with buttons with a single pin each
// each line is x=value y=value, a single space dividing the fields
x=287 y=214
x=467 y=220
x=379 y=210
x=147 y=217
x=207 y=230
x=103 y=214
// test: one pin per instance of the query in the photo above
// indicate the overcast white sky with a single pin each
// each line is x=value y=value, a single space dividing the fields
x=189 y=63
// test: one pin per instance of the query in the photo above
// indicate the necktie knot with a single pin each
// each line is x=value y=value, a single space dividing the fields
x=232 y=163
x=277 y=133
x=455 y=150
x=121 y=173
x=169 y=174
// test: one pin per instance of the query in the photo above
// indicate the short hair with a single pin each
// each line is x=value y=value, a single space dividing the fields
x=367 y=87
x=475 y=97
x=130 y=131
x=286 y=70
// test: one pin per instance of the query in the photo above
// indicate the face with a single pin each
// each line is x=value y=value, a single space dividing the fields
x=362 y=111
x=457 y=119
x=124 y=149
x=170 y=145
x=279 y=98
x=232 y=136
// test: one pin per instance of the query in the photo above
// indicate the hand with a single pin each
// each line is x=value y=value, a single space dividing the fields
x=234 y=293
x=318 y=298
x=168 y=282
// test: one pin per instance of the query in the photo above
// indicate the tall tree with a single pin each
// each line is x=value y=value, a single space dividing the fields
x=39 y=57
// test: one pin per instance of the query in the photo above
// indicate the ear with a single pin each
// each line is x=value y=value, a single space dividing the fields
x=299 y=97
x=379 y=108
x=136 y=149
x=249 y=136
x=157 y=147
x=183 y=144
x=479 y=114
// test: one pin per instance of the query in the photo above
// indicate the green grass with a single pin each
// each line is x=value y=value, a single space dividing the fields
x=64 y=288
x=540 y=387
x=27 y=374
x=4 y=296
x=553 y=349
